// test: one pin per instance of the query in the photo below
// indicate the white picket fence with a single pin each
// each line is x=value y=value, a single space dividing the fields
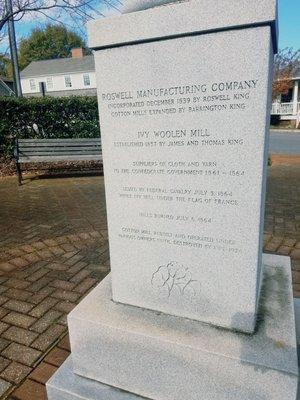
x=284 y=109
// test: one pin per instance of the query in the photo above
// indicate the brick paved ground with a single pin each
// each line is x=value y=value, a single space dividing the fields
x=53 y=251
x=282 y=217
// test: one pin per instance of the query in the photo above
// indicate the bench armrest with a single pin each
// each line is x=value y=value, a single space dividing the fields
x=16 y=150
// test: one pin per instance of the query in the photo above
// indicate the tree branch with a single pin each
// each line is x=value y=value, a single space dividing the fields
x=79 y=8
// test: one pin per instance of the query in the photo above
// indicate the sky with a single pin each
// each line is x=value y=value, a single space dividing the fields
x=289 y=25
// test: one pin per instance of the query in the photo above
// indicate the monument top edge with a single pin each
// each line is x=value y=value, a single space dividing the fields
x=151 y=20
x=140 y=5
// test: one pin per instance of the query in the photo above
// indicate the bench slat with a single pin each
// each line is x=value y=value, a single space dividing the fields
x=61 y=144
x=53 y=154
x=51 y=141
x=61 y=158
x=36 y=148
x=59 y=149
x=58 y=141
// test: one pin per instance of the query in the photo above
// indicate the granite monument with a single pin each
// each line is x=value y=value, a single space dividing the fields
x=192 y=308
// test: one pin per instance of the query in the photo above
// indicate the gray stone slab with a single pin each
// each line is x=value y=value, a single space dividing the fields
x=297 y=319
x=185 y=142
x=65 y=385
x=163 y=357
x=297 y=314
x=181 y=18
x=129 y=6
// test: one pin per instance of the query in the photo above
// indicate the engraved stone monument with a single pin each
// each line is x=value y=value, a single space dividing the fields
x=192 y=309
x=138 y=5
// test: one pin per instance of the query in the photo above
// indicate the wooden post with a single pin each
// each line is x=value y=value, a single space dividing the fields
x=18 y=166
x=19 y=173
x=295 y=98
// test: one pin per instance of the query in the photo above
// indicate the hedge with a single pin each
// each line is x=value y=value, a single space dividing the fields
x=46 y=117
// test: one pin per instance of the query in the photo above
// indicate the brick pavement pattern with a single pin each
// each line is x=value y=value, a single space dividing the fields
x=282 y=216
x=54 y=250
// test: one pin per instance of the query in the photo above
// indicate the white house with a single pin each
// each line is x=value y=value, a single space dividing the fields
x=288 y=106
x=61 y=77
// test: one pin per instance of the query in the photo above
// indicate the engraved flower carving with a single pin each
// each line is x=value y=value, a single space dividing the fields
x=173 y=277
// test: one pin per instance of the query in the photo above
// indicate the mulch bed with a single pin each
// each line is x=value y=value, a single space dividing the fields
x=8 y=167
x=285 y=159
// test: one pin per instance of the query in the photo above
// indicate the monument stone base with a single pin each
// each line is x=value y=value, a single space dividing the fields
x=65 y=385
x=162 y=357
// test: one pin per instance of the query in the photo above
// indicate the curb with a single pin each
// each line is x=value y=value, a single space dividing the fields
x=285 y=131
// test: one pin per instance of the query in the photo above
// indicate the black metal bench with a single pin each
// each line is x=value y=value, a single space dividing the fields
x=55 y=150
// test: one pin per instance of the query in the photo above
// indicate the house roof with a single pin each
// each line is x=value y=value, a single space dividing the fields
x=5 y=79
x=58 y=66
x=6 y=86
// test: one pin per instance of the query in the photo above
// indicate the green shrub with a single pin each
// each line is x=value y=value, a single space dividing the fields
x=46 y=117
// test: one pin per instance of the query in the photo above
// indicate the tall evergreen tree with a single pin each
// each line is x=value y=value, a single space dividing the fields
x=55 y=41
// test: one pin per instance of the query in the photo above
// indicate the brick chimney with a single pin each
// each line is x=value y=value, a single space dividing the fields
x=77 y=52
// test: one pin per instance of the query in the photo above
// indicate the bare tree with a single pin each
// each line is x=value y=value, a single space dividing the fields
x=79 y=10
x=286 y=61
x=60 y=11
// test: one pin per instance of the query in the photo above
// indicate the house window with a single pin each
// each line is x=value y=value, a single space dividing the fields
x=49 y=81
x=68 y=81
x=86 y=80
x=32 y=84
x=288 y=97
